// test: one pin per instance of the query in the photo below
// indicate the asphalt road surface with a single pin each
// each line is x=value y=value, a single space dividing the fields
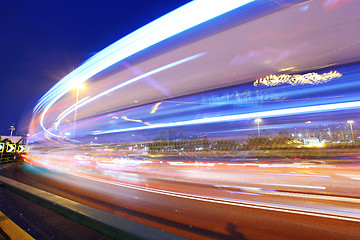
x=222 y=200
x=41 y=223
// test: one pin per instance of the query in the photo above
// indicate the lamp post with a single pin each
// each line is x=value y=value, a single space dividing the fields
x=306 y=129
x=77 y=87
x=258 y=120
x=12 y=128
x=351 y=129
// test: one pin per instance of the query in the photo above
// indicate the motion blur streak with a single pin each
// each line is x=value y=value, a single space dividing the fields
x=224 y=201
x=68 y=111
x=183 y=18
x=83 y=102
x=274 y=113
x=219 y=115
x=250 y=204
x=309 y=78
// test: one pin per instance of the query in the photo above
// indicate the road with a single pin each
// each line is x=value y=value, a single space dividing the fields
x=216 y=200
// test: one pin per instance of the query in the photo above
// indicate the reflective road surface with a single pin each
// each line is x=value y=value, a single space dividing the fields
x=251 y=199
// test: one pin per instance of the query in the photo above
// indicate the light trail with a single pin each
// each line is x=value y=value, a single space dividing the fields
x=296 y=186
x=155 y=107
x=88 y=100
x=298 y=175
x=177 y=21
x=163 y=68
x=352 y=176
x=229 y=118
x=354 y=217
x=261 y=191
x=187 y=103
x=68 y=111
x=195 y=72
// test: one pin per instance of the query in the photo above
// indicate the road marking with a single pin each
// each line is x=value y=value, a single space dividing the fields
x=291 y=185
x=291 y=194
x=355 y=177
x=11 y=230
x=298 y=175
x=274 y=207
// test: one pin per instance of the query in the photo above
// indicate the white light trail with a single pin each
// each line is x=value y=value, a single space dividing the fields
x=296 y=186
x=175 y=22
x=298 y=175
x=157 y=70
x=260 y=191
x=229 y=118
x=68 y=111
x=354 y=217
x=352 y=176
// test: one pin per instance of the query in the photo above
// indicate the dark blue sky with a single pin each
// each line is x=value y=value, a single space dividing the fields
x=43 y=40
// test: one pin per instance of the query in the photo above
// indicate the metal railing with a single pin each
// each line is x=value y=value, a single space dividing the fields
x=6 y=158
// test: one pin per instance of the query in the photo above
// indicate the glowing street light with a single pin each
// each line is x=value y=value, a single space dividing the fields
x=352 y=132
x=12 y=128
x=258 y=120
x=78 y=86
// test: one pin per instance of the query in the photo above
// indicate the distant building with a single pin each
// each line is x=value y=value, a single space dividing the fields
x=313 y=142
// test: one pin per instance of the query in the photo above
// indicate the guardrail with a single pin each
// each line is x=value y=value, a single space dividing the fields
x=6 y=158
x=11 y=152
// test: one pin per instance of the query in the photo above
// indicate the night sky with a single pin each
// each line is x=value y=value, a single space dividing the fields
x=42 y=41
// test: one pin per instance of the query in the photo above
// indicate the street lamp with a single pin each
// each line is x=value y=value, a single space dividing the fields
x=352 y=132
x=258 y=120
x=77 y=87
x=12 y=128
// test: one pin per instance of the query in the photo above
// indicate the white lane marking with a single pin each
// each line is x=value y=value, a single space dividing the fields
x=291 y=194
x=308 y=195
x=355 y=177
x=291 y=185
x=298 y=175
x=278 y=208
